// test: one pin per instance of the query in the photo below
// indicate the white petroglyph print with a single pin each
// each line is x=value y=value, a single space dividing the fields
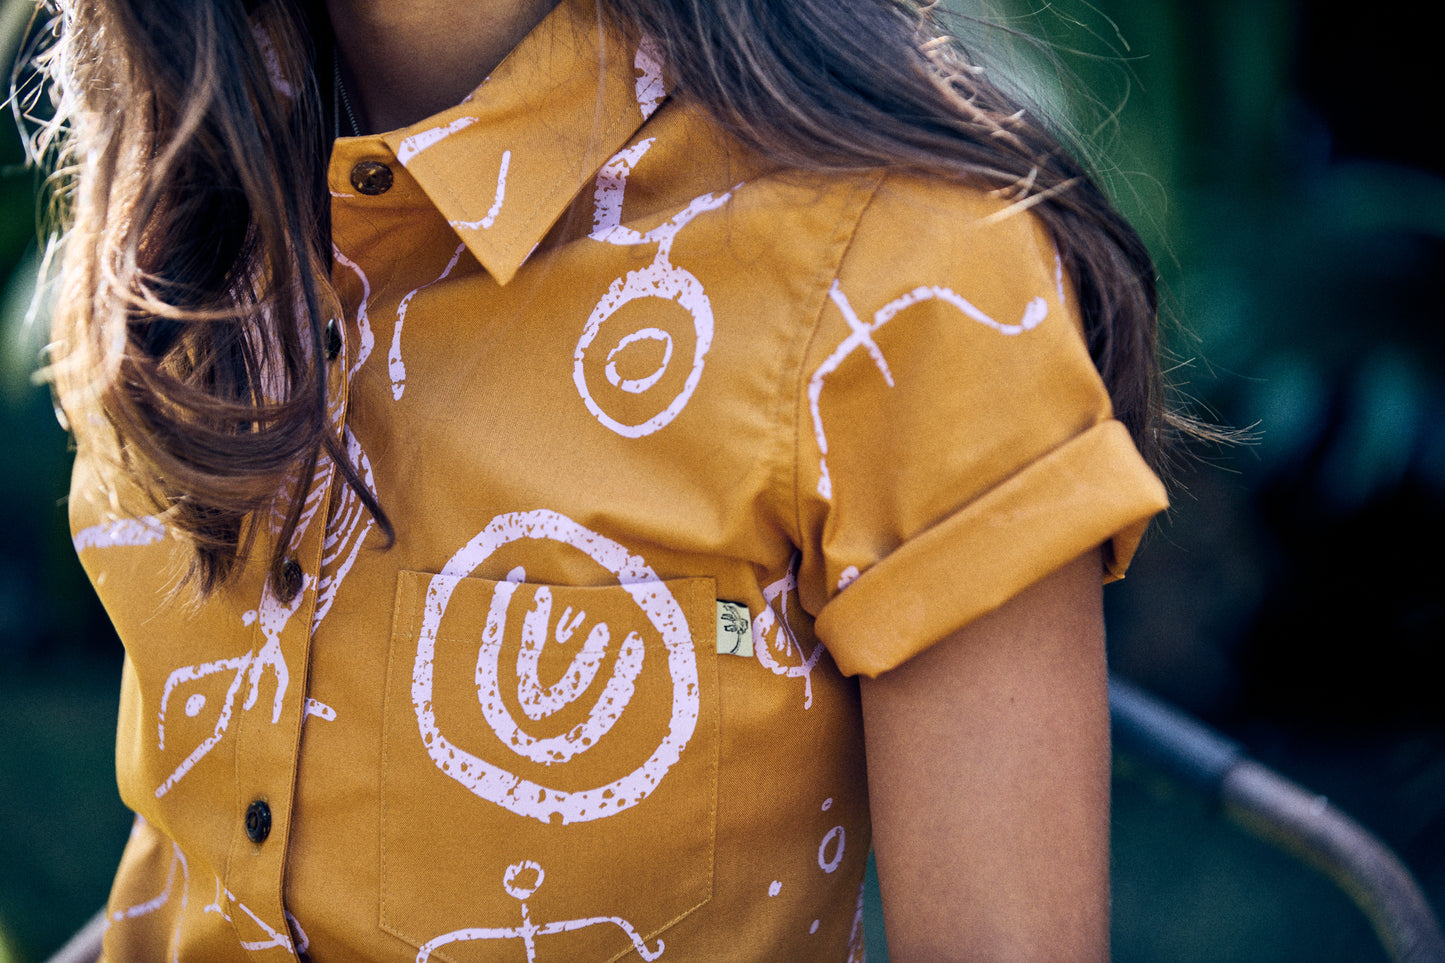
x=274 y=939
x=367 y=339
x=162 y=899
x=349 y=525
x=837 y=840
x=320 y=710
x=492 y=781
x=861 y=336
x=528 y=931
x=124 y=532
x=416 y=143
x=773 y=620
x=303 y=942
x=607 y=198
x=636 y=386
x=218 y=905
x=192 y=673
x=272 y=616
x=856 y=949
x=538 y=703
x=661 y=279
x=649 y=86
x=178 y=860
x=395 y=366
x=490 y=217
x=315 y=497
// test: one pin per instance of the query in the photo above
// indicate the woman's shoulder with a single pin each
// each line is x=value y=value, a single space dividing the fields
x=921 y=225
x=951 y=224
x=917 y=236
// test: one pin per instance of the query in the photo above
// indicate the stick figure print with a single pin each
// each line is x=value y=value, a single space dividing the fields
x=521 y=881
x=273 y=616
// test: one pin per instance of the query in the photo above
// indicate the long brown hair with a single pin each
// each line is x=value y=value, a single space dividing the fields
x=187 y=337
x=189 y=143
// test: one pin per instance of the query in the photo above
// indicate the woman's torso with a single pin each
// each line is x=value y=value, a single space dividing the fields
x=640 y=411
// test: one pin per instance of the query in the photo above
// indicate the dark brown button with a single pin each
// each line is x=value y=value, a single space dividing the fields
x=258 y=821
x=287 y=579
x=371 y=177
x=333 y=340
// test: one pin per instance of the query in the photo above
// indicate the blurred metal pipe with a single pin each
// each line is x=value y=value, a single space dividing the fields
x=1284 y=814
x=1305 y=824
x=1166 y=739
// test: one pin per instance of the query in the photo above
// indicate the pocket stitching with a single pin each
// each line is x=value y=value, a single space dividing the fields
x=697 y=593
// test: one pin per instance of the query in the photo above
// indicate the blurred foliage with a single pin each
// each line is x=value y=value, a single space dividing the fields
x=1275 y=156
x=58 y=690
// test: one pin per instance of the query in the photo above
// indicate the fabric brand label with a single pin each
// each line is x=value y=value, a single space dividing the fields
x=734 y=629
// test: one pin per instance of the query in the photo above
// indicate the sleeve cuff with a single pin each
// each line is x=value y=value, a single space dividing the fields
x=1093 y=489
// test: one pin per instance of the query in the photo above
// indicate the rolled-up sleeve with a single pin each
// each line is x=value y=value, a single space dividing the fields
x=955 y=441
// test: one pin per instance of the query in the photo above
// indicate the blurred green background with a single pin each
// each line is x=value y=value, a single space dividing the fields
x=1283 y=161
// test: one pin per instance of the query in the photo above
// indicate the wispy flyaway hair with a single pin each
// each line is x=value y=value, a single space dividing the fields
x=189 y=145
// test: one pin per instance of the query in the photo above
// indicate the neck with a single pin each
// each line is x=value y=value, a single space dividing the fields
x=402 y=62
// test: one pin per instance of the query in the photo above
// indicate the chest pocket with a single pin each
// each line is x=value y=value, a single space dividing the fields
x=550 y=765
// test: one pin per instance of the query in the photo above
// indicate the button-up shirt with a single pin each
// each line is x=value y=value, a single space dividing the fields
x=676 y=444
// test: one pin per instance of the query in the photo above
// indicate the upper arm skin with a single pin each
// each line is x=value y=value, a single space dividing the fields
x=988 y=774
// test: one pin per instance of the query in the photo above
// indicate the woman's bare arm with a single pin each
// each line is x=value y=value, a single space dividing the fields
x=988 y=771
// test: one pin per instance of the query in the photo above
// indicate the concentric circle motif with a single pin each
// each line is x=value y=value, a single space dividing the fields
x=492 y=781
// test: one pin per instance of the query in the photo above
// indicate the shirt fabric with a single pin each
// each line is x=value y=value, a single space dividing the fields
x=605 y=370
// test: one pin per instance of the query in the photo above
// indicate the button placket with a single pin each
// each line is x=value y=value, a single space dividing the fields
x=268 y=735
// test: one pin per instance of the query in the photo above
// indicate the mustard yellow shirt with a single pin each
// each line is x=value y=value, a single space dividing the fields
x=676 y=444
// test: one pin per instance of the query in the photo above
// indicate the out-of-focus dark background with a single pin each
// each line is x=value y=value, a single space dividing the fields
x=1284 y=161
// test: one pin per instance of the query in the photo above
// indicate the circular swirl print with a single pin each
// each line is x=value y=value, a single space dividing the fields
x=493 y=782
x=667 y=282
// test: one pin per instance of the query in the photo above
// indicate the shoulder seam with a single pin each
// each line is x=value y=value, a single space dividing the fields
x=843 y=239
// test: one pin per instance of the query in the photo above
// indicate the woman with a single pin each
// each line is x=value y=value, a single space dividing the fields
x=521 y=512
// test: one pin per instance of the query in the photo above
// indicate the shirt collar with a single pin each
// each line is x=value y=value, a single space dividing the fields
x=504 y=164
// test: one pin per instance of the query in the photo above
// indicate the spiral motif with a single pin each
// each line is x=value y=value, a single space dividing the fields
x=493 y=782
x=539 y=703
